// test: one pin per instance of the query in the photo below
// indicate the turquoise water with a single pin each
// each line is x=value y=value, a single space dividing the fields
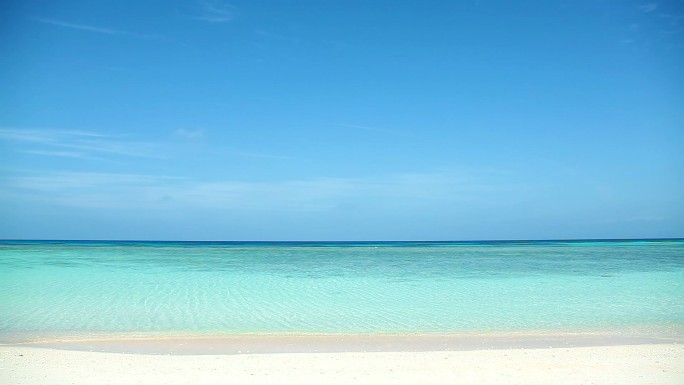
x=76 y=288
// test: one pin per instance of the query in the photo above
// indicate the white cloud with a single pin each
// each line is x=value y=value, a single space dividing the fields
x=383 y=131
x=49 y=142
x=97 y=146
x=43 y=135
x=258 y=155
x=83 y=27
x=190 y=134
x=62 y=154
x=69 y=181
x=648 y=7
x=276 y=36
x=132 y=191
x=100 y=30
x=216 y=11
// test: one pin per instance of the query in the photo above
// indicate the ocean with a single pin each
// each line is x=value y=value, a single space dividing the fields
x=76 y=289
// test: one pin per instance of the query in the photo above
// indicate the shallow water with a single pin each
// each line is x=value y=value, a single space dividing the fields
x=82 y=288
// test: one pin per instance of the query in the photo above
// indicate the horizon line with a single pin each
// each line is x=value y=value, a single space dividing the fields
x=345 y=241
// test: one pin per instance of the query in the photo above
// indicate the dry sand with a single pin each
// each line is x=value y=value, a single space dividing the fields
x=619 y=364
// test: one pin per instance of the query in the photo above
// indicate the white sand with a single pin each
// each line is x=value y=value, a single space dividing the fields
x=623 y=365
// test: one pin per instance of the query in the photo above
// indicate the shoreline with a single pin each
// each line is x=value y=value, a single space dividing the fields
x=263 y=343
x=628 y=356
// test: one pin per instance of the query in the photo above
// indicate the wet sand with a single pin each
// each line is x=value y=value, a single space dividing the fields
x=341 y=343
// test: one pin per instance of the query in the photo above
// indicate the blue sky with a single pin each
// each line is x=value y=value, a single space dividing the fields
x=341 y=120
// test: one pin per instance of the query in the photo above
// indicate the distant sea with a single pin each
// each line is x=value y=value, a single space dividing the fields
x=69 y=289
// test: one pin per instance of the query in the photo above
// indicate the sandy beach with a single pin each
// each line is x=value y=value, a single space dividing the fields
x=616 y=364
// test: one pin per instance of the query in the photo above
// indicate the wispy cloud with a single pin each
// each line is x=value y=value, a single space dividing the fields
x=662 y=25
x=78 y=144
x=97 y=29
x=197 y=134
x=44 y=135
x=258 y=155
x=83 y=27
x=133 y=191
x=277 y=36
x=648 y=7
x=83 y=181
x=61 y=154
x=384 y=131
x=215 y=11
x=97 y=146
x=190 y=134
x=335 y=43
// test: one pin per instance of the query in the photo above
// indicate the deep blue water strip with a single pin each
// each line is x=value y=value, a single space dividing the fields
x=550 y=242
